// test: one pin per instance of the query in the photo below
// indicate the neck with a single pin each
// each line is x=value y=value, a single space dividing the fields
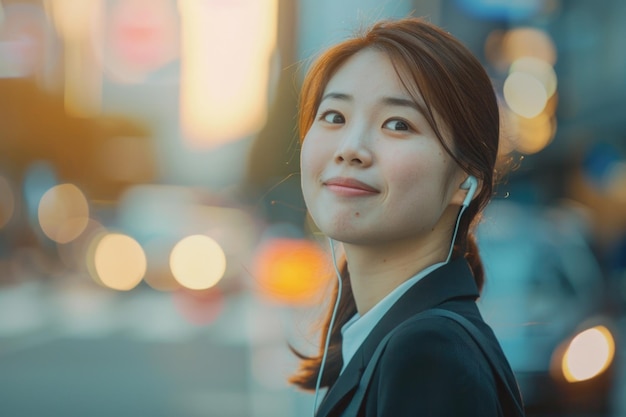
x=375 y=271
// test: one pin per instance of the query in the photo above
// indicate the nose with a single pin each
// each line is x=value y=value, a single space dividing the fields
x=354 y=148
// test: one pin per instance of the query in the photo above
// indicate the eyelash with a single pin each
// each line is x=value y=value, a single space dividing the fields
x=409 y=126
x=322 y=116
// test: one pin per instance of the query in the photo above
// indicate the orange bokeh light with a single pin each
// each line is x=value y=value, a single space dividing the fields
x=291 y=271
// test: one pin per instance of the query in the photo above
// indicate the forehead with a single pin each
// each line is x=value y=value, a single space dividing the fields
x=368 y=72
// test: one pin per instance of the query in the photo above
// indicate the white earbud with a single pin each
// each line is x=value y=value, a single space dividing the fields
x=470 y=184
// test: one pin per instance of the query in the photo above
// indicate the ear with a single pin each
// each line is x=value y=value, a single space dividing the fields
x=467 y=191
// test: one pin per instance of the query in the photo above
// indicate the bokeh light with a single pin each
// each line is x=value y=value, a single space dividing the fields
x=588 y=354
x=539 y=69
x=7 y=201
x=198 y=262
x=525 y=94
x=73 y=19
x=78 y=23
x=225 y=68
x=535 y=134
x=528 y=42
x=291 y=271
x=527 y=56
x=119 y=262
x=63 y=213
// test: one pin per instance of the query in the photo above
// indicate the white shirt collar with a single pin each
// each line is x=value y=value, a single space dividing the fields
x=355 y=330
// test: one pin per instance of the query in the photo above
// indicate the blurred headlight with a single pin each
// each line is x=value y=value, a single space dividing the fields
x=588 y=354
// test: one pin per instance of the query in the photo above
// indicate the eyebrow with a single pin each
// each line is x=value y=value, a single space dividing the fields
x=390 y=101
x=401 y=102
x=338 y=96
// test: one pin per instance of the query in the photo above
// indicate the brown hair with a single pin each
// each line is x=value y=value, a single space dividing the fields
x=458 y=96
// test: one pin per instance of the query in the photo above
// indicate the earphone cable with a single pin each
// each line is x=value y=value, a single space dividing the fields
x=330 y=326
x=456 y=229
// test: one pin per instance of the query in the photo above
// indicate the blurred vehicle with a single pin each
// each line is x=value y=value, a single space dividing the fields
x=544 y=297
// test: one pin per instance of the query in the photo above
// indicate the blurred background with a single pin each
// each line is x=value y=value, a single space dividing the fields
x=155 y=253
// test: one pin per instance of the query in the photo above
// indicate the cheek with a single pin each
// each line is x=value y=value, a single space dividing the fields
x=407 y=169
x=307 y=159
x=420 y=176
x=314 y=154
x=311 y=165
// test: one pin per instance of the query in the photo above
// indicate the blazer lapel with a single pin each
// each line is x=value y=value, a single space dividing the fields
x=345 y=384
x=450 y=281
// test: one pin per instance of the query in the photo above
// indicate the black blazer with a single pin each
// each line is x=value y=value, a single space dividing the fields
x=428 y=369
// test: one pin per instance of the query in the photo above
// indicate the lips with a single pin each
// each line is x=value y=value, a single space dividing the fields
x=350 y=185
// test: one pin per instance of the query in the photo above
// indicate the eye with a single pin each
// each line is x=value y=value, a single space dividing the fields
x=397 y=125
x=332 y=117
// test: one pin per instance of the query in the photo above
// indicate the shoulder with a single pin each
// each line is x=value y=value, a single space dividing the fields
x=429 y=361
x=435 y=342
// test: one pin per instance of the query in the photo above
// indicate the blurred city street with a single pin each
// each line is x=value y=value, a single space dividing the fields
x=104 y=354
x=71 y=353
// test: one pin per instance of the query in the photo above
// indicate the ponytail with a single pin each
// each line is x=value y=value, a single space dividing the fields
x=465 y=244
x=472 y=256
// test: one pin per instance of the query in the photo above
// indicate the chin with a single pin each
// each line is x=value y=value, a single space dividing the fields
x=353 y=237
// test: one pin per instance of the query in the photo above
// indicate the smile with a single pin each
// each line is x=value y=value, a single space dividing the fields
x=349 y=187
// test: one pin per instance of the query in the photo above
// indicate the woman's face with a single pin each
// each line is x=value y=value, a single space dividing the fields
x=373 y=170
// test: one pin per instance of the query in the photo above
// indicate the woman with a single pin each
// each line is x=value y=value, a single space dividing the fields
x=401 y=130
